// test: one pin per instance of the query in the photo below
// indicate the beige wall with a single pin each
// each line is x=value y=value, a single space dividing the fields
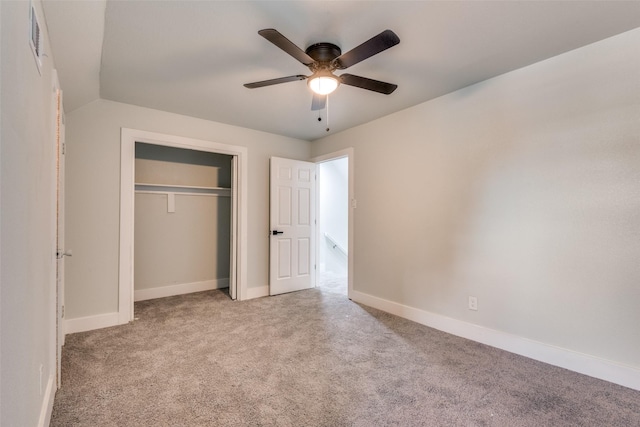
x=157 y=164
x=186 y=246
x=27 y=260
x=93 y=184
x=524 y=191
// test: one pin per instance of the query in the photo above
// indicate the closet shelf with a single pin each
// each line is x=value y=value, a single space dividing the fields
x=188 y=187
x=185 y=190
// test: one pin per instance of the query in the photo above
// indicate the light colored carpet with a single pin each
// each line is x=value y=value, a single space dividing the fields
x=312 y=358
x=332 y=282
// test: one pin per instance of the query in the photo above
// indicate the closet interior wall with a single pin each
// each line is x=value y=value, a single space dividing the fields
x=182 y=221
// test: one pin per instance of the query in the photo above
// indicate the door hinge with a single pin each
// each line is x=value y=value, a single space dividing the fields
x=62 y=313
x=64 y=148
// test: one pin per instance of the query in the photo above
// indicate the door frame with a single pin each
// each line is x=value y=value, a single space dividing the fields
x=349 y=154
x=128 y=138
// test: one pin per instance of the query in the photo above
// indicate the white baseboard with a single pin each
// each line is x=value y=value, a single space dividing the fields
x=578 y=362
x=89 y=323
x=179 y=289
x=262 y=291
x=47 y=403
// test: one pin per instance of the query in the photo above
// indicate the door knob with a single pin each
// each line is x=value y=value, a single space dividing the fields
x=61 y=254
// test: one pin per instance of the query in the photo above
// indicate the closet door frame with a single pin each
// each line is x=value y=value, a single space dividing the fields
x=128 y=139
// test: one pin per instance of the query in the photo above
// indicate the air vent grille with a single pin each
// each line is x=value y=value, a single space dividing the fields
x=35 y=38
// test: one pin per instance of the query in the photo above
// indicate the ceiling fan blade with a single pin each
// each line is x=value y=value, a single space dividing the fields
x=287 y=45
x=369 y=84
x=374 y=45
x=274 y=81
x=318 y=102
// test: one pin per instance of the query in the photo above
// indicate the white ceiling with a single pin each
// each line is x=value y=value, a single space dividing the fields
x=193 y=57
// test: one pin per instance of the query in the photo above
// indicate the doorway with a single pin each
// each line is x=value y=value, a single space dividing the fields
x=333 y=238
x=335 y=222
x=238 y=203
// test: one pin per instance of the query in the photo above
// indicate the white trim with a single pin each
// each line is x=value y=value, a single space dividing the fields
x=47 y=402
x=349 y=153
x=262 y=291
x=233 y=241
x=578 y=362
x=127 y=155
x=89 y=323
x=179 y=289
x=127 y=213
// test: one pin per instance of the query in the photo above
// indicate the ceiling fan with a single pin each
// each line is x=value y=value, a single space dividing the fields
x=324 y=58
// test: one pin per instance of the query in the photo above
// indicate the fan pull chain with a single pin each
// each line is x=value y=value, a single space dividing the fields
x=327 y=113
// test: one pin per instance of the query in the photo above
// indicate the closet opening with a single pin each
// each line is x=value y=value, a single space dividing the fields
x=169 y=193
x=182 y=221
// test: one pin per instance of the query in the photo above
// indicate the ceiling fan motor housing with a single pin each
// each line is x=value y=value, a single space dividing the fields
x=323 y=53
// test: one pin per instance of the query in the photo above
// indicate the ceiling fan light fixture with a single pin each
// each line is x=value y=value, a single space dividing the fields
x=323 y=83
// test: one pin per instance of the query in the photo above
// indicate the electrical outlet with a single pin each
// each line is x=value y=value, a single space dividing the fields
x=473 y=303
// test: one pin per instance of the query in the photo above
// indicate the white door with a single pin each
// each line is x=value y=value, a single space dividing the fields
x=60 y=245
x=292 y=221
